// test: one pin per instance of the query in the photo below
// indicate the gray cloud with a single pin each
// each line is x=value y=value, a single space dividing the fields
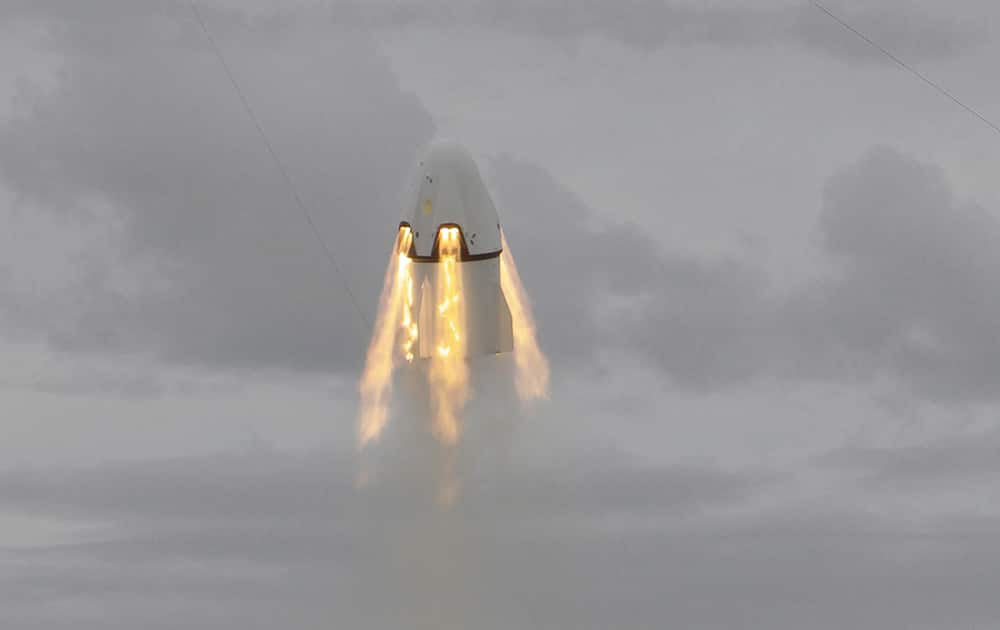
x=229 y=274
x=653 y=24
x=156 y=132
x=88 y=383
x=644 y=24
x=264 y=485
x=213 y=265
x=915 y=297
x=257 y=539
x=238 y=279
x=968 y=459
x=290 y=538
x=697 y=320
x=910 y=294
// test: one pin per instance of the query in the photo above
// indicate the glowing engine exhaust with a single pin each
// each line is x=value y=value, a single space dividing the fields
x=451 y=292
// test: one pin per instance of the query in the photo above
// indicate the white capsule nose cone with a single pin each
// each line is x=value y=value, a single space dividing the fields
x=450 y=155
x=450 y=192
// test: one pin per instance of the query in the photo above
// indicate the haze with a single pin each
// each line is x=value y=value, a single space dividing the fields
x=762 y=259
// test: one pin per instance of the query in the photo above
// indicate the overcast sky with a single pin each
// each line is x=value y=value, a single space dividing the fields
x=763 y=260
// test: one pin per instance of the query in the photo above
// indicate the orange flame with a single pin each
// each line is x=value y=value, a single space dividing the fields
x=532 y=368
x=448 y=375
x=397 y=332
x=376 y=380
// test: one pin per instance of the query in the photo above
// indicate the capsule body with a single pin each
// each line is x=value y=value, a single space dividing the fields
x=454 y=245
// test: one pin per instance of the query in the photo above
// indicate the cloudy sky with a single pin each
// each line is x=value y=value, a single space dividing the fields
x=763 y=260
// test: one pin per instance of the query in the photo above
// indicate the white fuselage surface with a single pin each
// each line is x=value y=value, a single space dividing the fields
x=452 y=221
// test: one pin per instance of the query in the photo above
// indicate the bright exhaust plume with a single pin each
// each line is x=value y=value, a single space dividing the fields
x=532 y=367
x=400 y=333
x=376 y=380
x=448 y=374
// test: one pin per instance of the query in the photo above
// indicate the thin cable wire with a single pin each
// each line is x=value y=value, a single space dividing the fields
x=277 y=160
x=905 y=66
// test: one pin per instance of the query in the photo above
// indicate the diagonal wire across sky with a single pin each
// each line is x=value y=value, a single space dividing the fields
x=905 y=66
x=278 y=163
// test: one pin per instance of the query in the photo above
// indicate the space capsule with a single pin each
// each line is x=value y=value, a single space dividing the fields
x=451 y=234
